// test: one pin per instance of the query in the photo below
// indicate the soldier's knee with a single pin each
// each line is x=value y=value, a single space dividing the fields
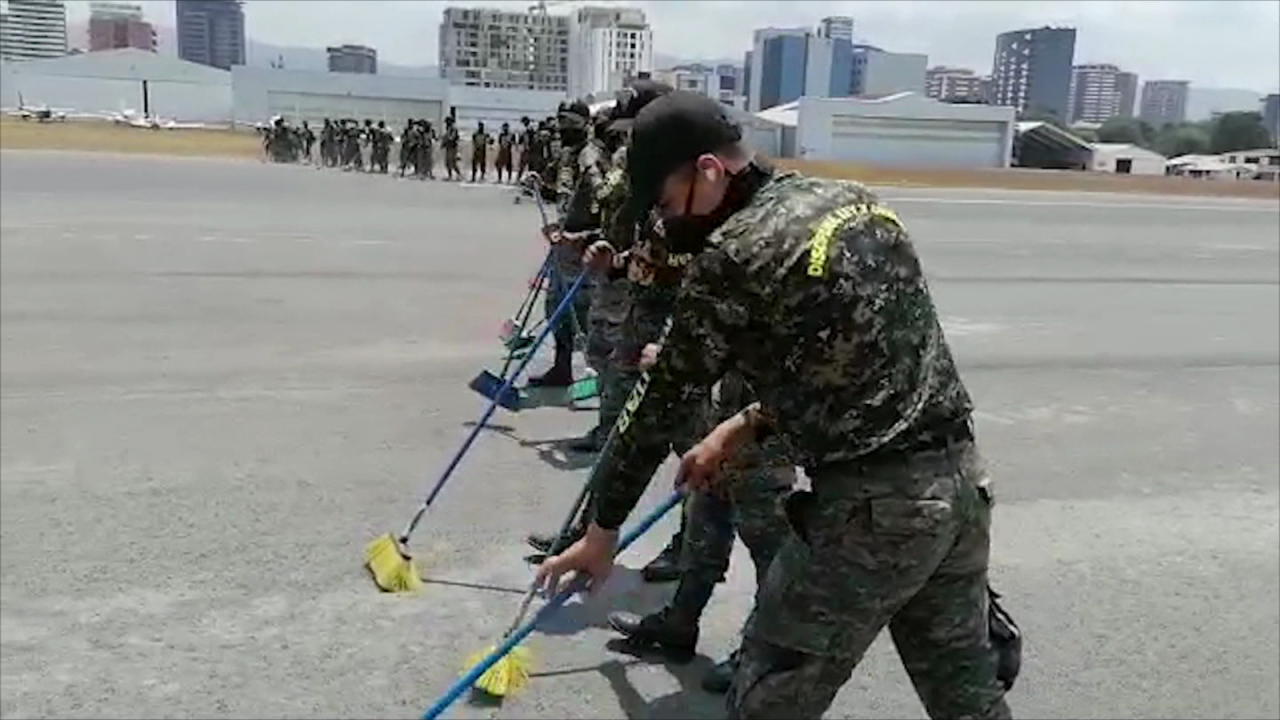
x=777 y=682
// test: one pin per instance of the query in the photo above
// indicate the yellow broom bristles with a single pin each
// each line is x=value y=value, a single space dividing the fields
x=391 y=570
x=507 y=676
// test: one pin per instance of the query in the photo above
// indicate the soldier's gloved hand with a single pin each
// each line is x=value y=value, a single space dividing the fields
x=649 y=356
x=701 y=468
x=598 y=256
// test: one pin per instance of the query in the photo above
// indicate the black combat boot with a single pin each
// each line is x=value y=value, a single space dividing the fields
x=674 y=637
x=561 y=373
x=720 y=677
x=546 y=544
x=666 y=567
x=592 y=442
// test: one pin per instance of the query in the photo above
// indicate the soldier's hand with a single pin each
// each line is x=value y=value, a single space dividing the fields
x=649 y=356
x=702 y=467
x=591 y=556
x=551 y=232
x=598 y=256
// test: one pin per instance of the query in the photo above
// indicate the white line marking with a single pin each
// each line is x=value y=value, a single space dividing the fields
x=1253 y=208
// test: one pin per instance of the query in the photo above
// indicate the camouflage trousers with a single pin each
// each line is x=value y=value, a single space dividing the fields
x=605 y=316
x=903 y=544
x=573 y=324
x=750 y=507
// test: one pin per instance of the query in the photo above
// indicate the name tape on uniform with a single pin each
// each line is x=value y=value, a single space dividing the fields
x=820 y=243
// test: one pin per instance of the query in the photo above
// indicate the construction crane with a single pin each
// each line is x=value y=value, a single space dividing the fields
x=541 y=7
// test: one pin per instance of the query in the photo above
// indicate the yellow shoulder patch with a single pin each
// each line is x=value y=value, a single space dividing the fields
x=820 y=242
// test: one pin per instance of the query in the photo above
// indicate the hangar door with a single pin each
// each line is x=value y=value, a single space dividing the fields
x=917 y=142
x=315 y=107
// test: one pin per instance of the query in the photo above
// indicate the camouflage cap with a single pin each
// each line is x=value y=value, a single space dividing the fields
x=632 y=99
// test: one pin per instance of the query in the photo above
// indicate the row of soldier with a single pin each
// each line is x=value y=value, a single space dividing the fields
x=753 y=321
x=346 y=144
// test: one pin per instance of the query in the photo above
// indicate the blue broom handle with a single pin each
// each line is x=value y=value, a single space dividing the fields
x=552 y=605
x=493 y=405
x=530 y=298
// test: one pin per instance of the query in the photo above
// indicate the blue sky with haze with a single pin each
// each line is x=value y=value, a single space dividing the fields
x=1213 y=44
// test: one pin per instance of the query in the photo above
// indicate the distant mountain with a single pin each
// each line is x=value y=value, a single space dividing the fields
x=1202 y=103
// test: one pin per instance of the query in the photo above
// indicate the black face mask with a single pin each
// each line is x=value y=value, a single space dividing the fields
x=688 y=233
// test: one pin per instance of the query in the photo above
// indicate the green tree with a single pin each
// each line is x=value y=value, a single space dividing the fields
x=1125 y=130
x=1239 y=131
x=1176 y=140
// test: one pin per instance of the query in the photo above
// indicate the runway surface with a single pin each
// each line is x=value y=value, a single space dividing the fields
x=221 y=379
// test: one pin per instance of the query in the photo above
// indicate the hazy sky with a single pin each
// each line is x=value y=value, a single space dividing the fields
x=1212 y=44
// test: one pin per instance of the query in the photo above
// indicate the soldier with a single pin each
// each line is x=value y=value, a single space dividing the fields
x=408 y=146
x=308 y=141
x=326 y=143
x=813 y=291
x=480 y=142
x=426 y=150
x=506 y=145
x=450 y=142
x=380 y=147
x=572 y=124
x=526 y=144
x=652 y=277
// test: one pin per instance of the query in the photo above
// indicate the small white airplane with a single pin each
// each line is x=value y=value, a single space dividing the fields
x=39 y=113
x=131 y=117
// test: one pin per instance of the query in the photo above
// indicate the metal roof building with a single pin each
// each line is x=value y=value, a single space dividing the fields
x=115 y=80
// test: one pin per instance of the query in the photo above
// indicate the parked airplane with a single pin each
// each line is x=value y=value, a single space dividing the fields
x=39 y=113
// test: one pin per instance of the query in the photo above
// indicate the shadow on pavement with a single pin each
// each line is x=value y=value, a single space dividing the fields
x=626 y=591
x=689 y=702
x=474 y=586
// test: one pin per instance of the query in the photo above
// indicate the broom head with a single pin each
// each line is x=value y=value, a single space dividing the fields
x=585 y=389
x=390 y=565
x=508 y=674
x=489 y=385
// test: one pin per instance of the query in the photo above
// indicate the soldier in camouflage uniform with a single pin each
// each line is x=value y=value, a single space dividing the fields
x=812 y=290
x=567 y=256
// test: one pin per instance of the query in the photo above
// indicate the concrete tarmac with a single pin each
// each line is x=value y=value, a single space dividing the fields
x=221 y=379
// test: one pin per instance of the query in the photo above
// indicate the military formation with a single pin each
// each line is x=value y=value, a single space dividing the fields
x=754 y=322
x=350 y=145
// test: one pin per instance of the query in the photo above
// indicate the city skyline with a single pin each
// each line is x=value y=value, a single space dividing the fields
x=1236 y=43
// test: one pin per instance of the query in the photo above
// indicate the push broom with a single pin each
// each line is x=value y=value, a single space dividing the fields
x=505 y=668
x=387 y=556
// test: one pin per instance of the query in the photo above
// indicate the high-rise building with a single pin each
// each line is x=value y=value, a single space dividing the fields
x=608 y=47
x=1032 y=70
x=786 y=63
x=1164 y=102
x=838 y=27
x=729 y=84
x=503 y=49
x=358 y=59
x=721 y=82
x=877 y=73
x=1097 y=93
x=32 y=29
x=1127 y=86
x=779 y=57
x=119 y=25
x=211 y=32
x=956 y=85
x=1271 y=116
x=746 y=79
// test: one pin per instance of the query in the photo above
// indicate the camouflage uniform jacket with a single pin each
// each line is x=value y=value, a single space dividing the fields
x=583 y=208
x=815 y=294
